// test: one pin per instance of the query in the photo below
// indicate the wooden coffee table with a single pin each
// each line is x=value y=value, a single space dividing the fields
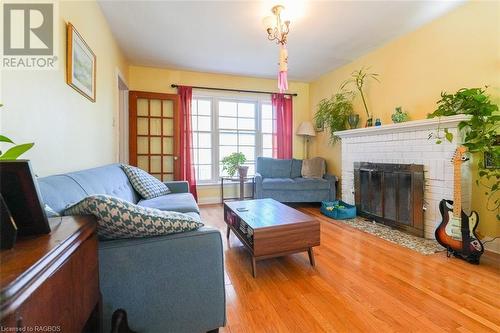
x=268 y=229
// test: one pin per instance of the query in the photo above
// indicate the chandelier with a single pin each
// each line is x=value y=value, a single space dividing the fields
x=277 y=30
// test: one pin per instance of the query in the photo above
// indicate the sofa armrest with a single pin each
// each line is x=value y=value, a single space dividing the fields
x=178 y=186
x=258 y=185
x=333 y=185
x=162 y=281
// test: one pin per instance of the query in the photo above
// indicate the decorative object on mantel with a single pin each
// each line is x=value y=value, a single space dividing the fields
x=233 y=163
x=307 y=131
x=80 y=64
x=334 y=112
x=378 y=122
x=353 y=120
x=399 y=115
x=480 y=135
x=359 y=78
x=278 y=30
x=418 y=244
x=457 y=231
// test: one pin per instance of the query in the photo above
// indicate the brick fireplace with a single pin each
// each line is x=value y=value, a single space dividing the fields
x=408 y=143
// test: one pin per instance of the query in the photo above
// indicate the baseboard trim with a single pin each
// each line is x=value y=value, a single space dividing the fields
x=208 y=200
x=492 y=246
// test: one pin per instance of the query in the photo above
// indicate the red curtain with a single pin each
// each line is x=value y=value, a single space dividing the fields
x=283 y=107
x=186 y=157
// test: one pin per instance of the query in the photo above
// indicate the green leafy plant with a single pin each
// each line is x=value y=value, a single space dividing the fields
x=480 y=134
x=13 y=152
x=333 y=113
x=359 y=78
x=231 y=163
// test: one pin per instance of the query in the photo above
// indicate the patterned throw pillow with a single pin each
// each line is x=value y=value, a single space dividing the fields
x=146 y=185
x=117 y=218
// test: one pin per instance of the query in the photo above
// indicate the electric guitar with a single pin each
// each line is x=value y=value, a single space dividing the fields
x=457 y=231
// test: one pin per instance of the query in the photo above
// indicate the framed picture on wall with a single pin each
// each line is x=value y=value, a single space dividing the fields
x=80 y=64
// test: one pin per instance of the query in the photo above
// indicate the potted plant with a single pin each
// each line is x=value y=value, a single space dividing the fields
x=359 y=78
x=13 y=152
x=480 y=135
x=334 y=112
x=233 y=163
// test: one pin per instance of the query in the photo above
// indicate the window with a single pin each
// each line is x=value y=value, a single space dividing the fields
x=224 y=125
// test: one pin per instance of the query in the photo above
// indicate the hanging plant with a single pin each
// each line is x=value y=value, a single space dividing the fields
x=333 y=113
x=481 y=135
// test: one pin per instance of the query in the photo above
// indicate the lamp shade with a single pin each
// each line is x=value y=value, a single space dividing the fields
x=306 y=128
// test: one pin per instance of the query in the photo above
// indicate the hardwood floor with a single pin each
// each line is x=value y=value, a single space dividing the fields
x=361 y=283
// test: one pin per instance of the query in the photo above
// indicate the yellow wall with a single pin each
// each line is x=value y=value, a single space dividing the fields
x=160 y=79
x=69 y=131
x=461 y=49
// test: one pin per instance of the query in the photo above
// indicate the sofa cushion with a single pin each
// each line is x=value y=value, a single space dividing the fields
x=177 y=202
x=118 y=218
x=296 y=184
x=274 y=168
x=145 y=184
x=296 y=168
x=313 y=168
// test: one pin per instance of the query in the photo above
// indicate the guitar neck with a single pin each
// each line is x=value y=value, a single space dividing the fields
x=457 y=190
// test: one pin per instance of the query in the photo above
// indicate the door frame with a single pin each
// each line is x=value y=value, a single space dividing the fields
x=133 y=96
x=122 y=131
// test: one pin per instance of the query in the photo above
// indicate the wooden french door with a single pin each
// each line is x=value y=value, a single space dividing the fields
x=154 y=133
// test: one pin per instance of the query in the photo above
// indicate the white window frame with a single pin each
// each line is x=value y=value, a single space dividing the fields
x=257 y=99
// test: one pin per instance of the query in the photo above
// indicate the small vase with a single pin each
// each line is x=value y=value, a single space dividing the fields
x=369 y=122
x=242 y=171
x=353 y=120
x=378 y=122
x=399 y=116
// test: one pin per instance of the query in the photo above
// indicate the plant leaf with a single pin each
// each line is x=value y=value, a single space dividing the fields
x=16 y=151
x=6 y=139
x=449 y=136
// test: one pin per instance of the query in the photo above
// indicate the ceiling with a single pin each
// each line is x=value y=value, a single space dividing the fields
x=228 y=36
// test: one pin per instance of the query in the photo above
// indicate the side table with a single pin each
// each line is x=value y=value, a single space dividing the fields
x=242 y=181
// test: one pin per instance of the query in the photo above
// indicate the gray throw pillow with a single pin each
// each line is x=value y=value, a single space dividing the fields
x=145 y=184
x=117 y=218
x=313 y=168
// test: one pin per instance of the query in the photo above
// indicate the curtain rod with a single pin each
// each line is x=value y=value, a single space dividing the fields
x=236 y=90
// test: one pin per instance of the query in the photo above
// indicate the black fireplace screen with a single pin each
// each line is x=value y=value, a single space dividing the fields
x=391 y=194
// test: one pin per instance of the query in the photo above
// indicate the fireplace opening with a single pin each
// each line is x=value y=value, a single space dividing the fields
x=392 y=194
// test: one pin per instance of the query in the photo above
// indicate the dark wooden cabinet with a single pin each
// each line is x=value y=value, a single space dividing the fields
x=50 y=283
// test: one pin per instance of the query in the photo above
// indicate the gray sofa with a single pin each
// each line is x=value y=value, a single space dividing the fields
x=282 y=181
x=171 y=283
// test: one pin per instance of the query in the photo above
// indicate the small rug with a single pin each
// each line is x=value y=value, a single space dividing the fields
x=421 y=245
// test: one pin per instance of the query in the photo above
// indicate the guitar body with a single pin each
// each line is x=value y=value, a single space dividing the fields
x=458 y=234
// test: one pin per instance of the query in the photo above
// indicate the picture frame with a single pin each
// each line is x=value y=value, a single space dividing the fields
x=81 y=64
x=23 y=203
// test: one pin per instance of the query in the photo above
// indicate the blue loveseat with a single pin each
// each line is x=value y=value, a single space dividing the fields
x=282 y=181
x=172 y=283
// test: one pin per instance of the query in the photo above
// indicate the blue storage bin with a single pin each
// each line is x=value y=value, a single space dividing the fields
x=348 y=212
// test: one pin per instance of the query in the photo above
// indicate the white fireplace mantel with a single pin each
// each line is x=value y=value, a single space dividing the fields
x=413 y=125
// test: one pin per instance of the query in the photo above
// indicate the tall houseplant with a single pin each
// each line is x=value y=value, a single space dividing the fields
x=359 y=78
x=481 y=135
x=334 y=112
